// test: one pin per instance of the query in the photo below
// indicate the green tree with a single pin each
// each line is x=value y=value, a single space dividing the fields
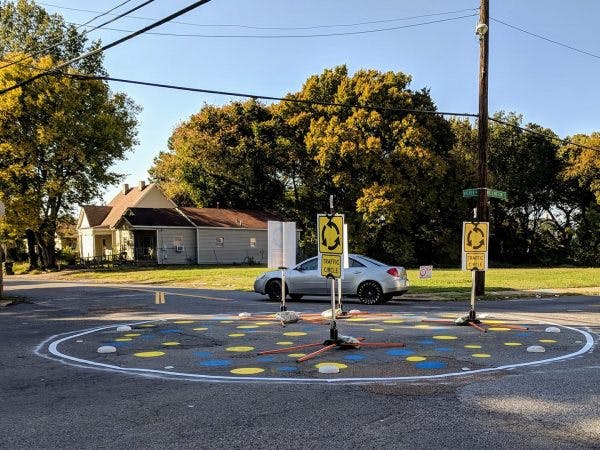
x=223 y=155
x=58 y=138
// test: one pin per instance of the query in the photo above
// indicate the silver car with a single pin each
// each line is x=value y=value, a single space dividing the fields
x=369 y=280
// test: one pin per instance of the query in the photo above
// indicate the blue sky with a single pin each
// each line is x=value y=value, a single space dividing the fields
x=548 y=84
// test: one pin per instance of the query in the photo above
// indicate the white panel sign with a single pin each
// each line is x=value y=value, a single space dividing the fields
x=282 y=244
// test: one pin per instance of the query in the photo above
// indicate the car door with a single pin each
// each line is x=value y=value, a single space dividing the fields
x=352 y=276
x=306 y=279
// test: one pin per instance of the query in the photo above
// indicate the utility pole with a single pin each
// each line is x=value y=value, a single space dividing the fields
x=482 y=31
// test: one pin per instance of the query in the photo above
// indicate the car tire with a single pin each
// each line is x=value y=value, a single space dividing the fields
x=370 y=293
x=296 y=297
x=273 y=290
x=387 y=297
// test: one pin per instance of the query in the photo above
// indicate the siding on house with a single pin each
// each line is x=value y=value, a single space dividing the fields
x=236 y=245
x=176 y=245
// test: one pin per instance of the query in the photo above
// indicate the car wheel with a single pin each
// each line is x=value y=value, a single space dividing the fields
x=273 y=290
x=295 y=297
x=370 y=293
x=387 y=298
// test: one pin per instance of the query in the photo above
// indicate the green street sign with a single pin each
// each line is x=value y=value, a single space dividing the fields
x=497 y=194
x=474 y=192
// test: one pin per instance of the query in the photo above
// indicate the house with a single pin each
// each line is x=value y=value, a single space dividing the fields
x=142 y=224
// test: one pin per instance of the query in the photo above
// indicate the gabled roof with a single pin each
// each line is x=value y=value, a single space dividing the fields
x=96 y=214
x=229 y=218
x=159 y=217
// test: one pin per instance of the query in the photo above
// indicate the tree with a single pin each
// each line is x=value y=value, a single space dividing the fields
x=223 y=155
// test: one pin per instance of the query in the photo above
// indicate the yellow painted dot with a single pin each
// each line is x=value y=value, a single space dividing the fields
x=200 y=329
x=547 y=341
x=490 y=322
x=338 y=365
x=357 y=319
x=481 y=355
x=264 y=323
x=295 y=333
x=393 y=321
x=183 y=321
x=415 y=358
x=512 y=344
x=377 y=329
x=148 y=354
x=239 y=349
x=296 y=355
x=171 y=344
x=285 y=343
x=123 y=339
x=445 y=338
x=472 y=346
x=226 y=321
x=132 y=335
x=422 y=325
x=247 y=371
x=498 y=329
x=247 y=327
x=147 y=325
x=237 y=334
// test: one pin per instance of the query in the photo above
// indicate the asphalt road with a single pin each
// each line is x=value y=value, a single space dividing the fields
x=46 y=403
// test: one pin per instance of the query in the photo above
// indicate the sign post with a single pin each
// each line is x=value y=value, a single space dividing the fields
x=475 y=240
x=330 y=232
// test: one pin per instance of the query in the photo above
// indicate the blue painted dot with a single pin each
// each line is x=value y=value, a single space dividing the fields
x=287 y=369
x=216 y=363
x=266 y=359
x=118 y=344
x=400 y=352
x=172 y=330
x=148 y=336
x=203 y=354
x=443 y=349
x=431 y=365
x=426 y=342
x=310 y=329
x=524 y=334
x=354 y=357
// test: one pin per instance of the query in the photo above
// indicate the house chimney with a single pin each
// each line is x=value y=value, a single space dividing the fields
x=142 y=185
x=217 y=205
x=125 y=189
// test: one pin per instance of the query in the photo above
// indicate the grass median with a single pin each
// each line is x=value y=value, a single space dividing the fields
x=442 y=281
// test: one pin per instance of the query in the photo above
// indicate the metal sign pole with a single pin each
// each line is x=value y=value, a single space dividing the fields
x=333 y=332
x=472 y=314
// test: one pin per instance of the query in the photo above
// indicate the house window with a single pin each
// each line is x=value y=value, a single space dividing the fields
x=252 y=242
x=219 y=242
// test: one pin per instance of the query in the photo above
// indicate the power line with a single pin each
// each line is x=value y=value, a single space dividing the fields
x=537 y=133
x=514 y=27
x=280 y=36
x=319 y=103
x=254 y=27
x=106 y=47
x=267 y=97
x=43 y=51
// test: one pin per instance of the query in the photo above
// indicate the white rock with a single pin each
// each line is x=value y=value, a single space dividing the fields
x=329 y=369
x=123 y=328
x=288 y=316
x=107 y=349
x=552 y=330
x=168 y=367
x=327 y=313
x=244 y=314
x=465 y=368
x=536 y=349
x=354 y=311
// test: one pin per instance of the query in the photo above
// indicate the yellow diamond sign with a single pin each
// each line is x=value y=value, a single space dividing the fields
x=475 y=237
x=331 y=234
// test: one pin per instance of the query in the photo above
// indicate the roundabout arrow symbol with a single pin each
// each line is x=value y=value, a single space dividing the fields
x=481 y=243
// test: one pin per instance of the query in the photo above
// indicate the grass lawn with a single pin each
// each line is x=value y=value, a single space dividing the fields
x=443 y=280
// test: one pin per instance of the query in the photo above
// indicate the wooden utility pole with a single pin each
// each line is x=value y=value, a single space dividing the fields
x=482 y=129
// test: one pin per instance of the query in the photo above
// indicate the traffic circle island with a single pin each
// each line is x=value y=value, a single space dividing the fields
x=226 y=348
